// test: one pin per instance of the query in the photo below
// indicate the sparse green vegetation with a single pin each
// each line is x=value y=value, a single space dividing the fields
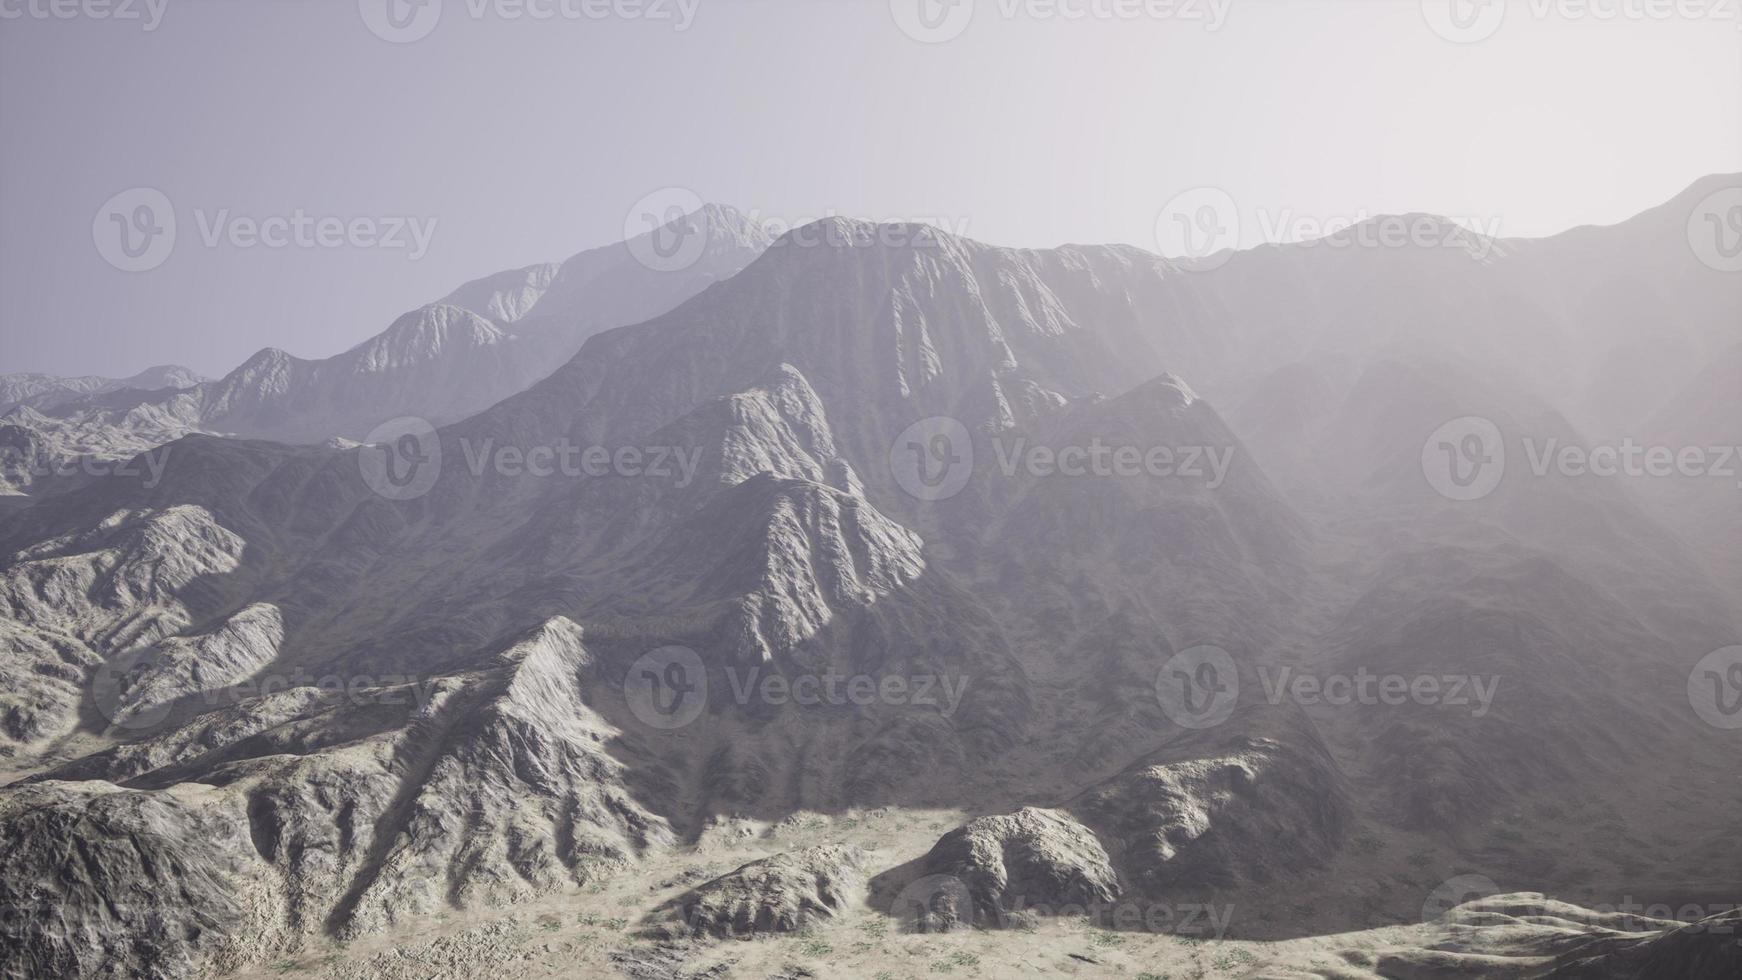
x=1233 y=959
x=812 y=946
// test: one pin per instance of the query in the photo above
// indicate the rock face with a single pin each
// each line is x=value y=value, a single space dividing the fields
x=71 y=602
x=518 y=799
x=429 y=703
x=1703 y=950
x=1526 y=934
x=106 y=882
x=1031 y=862
x=337 y=814
x=1249 y=812
x=783 y=893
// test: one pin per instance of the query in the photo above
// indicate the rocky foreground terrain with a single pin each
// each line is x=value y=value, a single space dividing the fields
x=894 y=605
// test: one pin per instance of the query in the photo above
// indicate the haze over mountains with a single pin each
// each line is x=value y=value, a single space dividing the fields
x=489 y=339
x=1017 y=494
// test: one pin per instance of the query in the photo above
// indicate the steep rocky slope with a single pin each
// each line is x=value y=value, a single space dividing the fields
x=866 y=571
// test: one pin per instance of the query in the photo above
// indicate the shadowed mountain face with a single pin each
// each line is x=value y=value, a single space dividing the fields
x=931 y=525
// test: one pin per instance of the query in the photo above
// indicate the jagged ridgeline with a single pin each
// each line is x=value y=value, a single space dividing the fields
x=254 y=704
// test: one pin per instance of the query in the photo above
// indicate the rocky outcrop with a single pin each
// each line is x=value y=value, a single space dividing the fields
x=784 y=893
x=342 y=813
x=1031 y=862
x=1248 y=811
x=69 y=604
x=104 y=882
x=192 y=664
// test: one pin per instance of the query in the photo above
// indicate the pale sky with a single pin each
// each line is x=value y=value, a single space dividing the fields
x=527 y=140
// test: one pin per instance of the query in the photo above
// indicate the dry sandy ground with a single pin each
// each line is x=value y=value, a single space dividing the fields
x=599 y=931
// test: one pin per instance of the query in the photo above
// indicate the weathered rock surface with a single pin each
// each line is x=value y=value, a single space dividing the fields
x=105 y=882
x=1030 y=860
x=783 y=893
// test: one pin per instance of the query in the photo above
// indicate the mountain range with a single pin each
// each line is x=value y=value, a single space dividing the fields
x=831 y=530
